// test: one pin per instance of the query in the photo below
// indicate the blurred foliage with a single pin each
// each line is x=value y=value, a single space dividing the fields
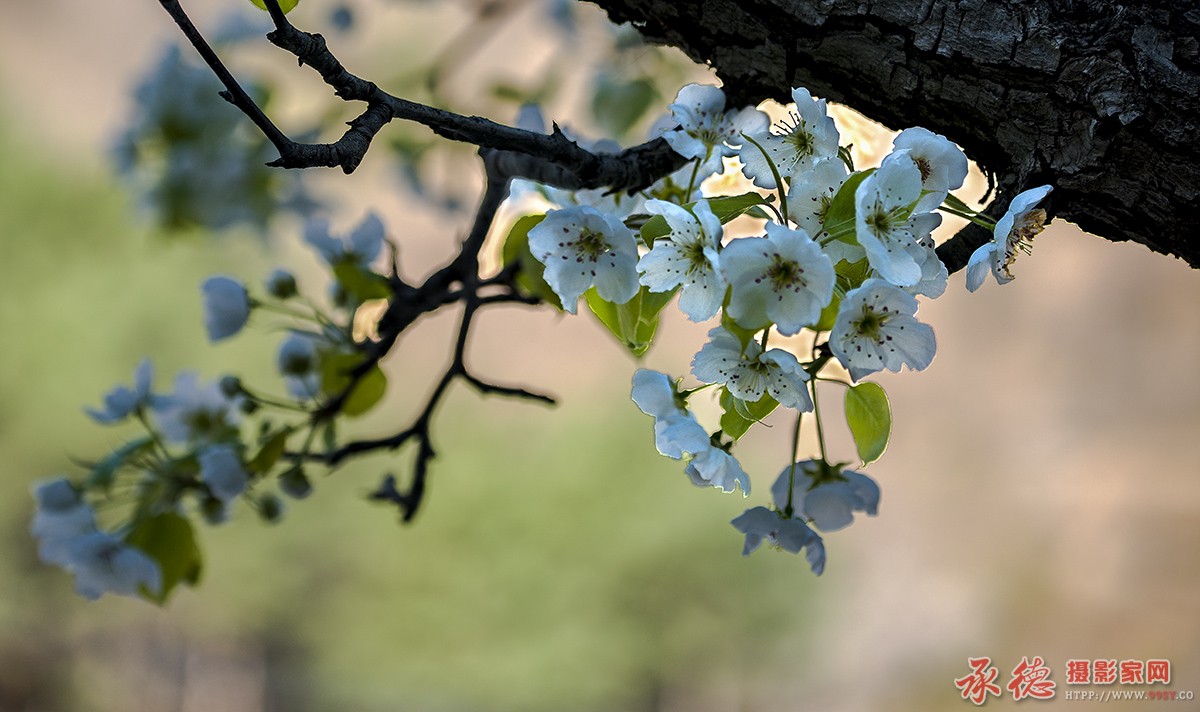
x=545 y=574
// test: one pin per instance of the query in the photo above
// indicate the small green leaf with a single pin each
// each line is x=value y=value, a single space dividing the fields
x=529 y=270
x=360 y=283
x=729 y=207
x=740 y=415
x=169 y=540
x=828 y=315
x=329 y=436
x=839 y=219
x=959 y=205
x=870 y=419
x=617 y=104
x=270 y=452
x=335 y=377
x=104 y=472
x=285 y=5
x=634 y=322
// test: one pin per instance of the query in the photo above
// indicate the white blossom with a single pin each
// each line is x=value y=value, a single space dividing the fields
x=705 y=128
x=1015 y=231
x=748 y=372
x=806 y=136
x=883 y=206
x=222 y=472
x=582 y=247
x=714 y=467
x=943 y=165
x=875 y=329
x=298 y=360
x=828 y=499
x=121 y=401
x=781 y=278
x=676 y=431
x=688 y=257
x=787 y=533
x=196 y=412
x=933 y=271
x=361 y=246
x=281 y=284
x=61 y=517
x=103 y=564
x=226 y=307
x=811 y=193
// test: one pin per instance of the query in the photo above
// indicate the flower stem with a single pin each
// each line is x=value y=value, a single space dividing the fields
x=788 y=510
x=775 y=173
x=692 y=180
x=817 y=415
x=980 y=220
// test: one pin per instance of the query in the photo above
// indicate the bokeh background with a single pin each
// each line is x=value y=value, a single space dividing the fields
x=1041 y=495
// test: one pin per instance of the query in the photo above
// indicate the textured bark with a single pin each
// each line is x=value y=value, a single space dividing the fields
x=1099 y=99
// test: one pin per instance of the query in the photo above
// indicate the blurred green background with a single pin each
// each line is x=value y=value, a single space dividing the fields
x=1040 y=496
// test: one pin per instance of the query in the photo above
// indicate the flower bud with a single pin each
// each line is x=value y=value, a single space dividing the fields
x=295 y=483
x=270 y=508
x=281 y=284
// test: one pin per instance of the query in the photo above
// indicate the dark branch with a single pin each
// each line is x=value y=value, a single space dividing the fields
x=549 y=158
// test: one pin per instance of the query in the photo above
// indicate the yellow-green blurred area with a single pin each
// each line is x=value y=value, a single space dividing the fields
x=1041 y=495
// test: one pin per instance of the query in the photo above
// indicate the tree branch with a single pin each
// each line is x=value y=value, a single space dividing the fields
x=559 y=161
x=1100 y=99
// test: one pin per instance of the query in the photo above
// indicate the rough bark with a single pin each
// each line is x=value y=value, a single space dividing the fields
x=1099 y=99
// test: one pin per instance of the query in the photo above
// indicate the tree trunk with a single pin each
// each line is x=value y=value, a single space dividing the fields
x=1099 y=99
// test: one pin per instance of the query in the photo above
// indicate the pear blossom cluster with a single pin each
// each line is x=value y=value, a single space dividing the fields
x=191 y=160
x=825 y=291
x=204 y=445
x=842 y=255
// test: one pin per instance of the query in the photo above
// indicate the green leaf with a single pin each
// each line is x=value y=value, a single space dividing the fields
x=169 y=540
x=635 y=321
x=104 y=472
x=360 y=283
x=285 y=5
x=270 y=452
x=618 y=104
x=729 y=207
x=740 y=415
x=335 y=377
x=870 y=419
x=849 y=276
x=529 y=270
x=839 y=219
x=828 y=315
x=959 y=205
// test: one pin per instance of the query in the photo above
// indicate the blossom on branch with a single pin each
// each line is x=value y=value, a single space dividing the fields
x=806 y=136
x=226 y=307
x=828 y=498
x=788 y=533
x=1015 y=231
x=781 y=278
x=122 y=402
x=688 y=257
x=883 y=206
x=748 y=372
x=583 y=247
x=875 y=329
x=706 y=131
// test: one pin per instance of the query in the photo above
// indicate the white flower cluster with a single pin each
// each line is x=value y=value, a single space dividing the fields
x=192 y=455
x=845 y=257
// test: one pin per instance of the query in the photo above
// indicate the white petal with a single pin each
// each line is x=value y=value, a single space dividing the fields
x=654 y=393
x=979 y=265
